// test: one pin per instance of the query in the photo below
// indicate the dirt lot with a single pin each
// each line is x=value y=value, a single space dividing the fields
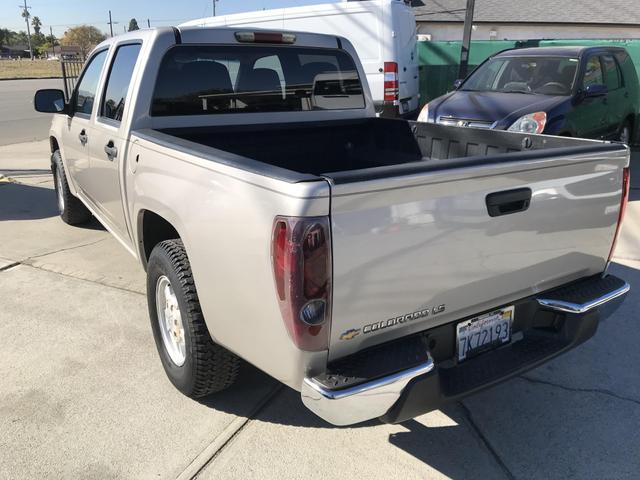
x=25 y=68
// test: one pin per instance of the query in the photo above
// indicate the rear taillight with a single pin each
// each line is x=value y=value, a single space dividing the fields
x=391 y=82
x=626 y=184
x=301 y=256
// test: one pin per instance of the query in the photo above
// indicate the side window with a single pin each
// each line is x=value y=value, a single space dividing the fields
x=612 y=72
x=118 y=81
x=85 y=93
x=593 y=72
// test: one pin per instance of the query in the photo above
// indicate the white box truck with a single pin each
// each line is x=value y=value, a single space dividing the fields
x=383 y=33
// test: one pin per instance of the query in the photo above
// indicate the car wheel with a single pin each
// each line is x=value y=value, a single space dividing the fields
x=624 y=134
x=193 y=362
x=72 y=210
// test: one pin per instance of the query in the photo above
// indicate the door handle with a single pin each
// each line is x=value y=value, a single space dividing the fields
x=82 y=136
x=111 y=150
x=508 y=202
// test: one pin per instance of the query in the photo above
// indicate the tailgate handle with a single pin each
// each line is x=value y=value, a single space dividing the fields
x=508 y=202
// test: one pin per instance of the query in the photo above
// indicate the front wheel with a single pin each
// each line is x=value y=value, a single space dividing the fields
x=193 y=362
x=72 y=210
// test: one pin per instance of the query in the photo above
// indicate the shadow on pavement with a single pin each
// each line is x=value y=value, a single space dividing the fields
x=251 y=382
x=19 y=201
x=26 y=202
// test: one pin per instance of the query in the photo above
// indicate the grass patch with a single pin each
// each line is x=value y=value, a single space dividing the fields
x=26 y=68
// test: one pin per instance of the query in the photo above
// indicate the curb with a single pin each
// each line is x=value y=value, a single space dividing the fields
x=31 y=78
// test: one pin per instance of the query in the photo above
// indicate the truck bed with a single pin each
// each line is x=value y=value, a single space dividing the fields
x=339 y=148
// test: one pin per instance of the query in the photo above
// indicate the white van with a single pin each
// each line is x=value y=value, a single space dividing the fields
x=383 y=33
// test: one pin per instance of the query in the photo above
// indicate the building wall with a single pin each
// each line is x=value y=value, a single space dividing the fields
x=453 y=31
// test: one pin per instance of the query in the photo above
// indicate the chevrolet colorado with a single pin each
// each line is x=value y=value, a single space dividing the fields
x=380 y=267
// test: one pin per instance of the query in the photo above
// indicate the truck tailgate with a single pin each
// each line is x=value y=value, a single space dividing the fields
x=415 y=251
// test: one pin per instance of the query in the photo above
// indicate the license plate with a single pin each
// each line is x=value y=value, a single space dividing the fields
x=484 y=332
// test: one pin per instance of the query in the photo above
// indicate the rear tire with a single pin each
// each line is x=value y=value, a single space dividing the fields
x=624 y=134
x=72 y=210
x=193 y=362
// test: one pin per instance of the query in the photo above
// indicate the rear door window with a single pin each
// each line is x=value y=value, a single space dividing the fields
x=206 y=80
x=118 y=81
x=613 y=78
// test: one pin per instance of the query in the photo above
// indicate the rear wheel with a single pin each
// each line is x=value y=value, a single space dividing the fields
x=193 y=362
x=72 y=210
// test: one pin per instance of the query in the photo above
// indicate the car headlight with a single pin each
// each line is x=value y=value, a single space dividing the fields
x=530 y=123
x=424 y=114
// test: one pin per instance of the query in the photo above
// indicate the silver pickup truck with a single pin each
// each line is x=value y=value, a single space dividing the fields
x=380 y=267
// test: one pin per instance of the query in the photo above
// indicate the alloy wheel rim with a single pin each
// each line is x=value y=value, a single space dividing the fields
x=170 y=321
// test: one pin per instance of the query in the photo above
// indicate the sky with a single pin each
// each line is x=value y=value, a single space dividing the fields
x=62 y=14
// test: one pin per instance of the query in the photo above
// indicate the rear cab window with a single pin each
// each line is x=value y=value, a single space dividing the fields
x=118 y=80
x=218 y=79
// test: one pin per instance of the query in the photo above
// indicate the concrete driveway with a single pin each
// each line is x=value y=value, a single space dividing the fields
x=83 y=394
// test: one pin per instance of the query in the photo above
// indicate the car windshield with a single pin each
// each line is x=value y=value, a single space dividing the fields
x=529 y=75
x=201 y=79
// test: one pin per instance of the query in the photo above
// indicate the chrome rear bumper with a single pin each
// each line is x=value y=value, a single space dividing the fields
x=363 y=402
x=416 y=390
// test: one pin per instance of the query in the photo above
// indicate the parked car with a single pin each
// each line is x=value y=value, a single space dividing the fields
x=383 y=33
x=379 y=266
x=589 y=92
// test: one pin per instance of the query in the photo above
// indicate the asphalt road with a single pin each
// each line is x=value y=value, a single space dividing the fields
x=19 y=122
x=83 y=394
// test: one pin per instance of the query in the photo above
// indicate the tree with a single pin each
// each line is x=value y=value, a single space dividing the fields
x=5 y=36
x=19 y=38
x=36 y=23
x=86 y=37
x=133 y=25
x=52 y=40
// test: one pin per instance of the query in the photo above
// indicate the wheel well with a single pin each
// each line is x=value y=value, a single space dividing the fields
x=53 y=142
x=154 y=230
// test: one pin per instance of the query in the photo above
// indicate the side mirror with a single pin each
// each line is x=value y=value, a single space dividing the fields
x=596 y=90
x=458 y=83
x=49 y=100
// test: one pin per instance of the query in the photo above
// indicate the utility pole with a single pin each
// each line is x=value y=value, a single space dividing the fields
x=214 y=7
x=110 y=23
x=148 y=23
x=53 y=47
x=27 y=15
x=466 y=39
